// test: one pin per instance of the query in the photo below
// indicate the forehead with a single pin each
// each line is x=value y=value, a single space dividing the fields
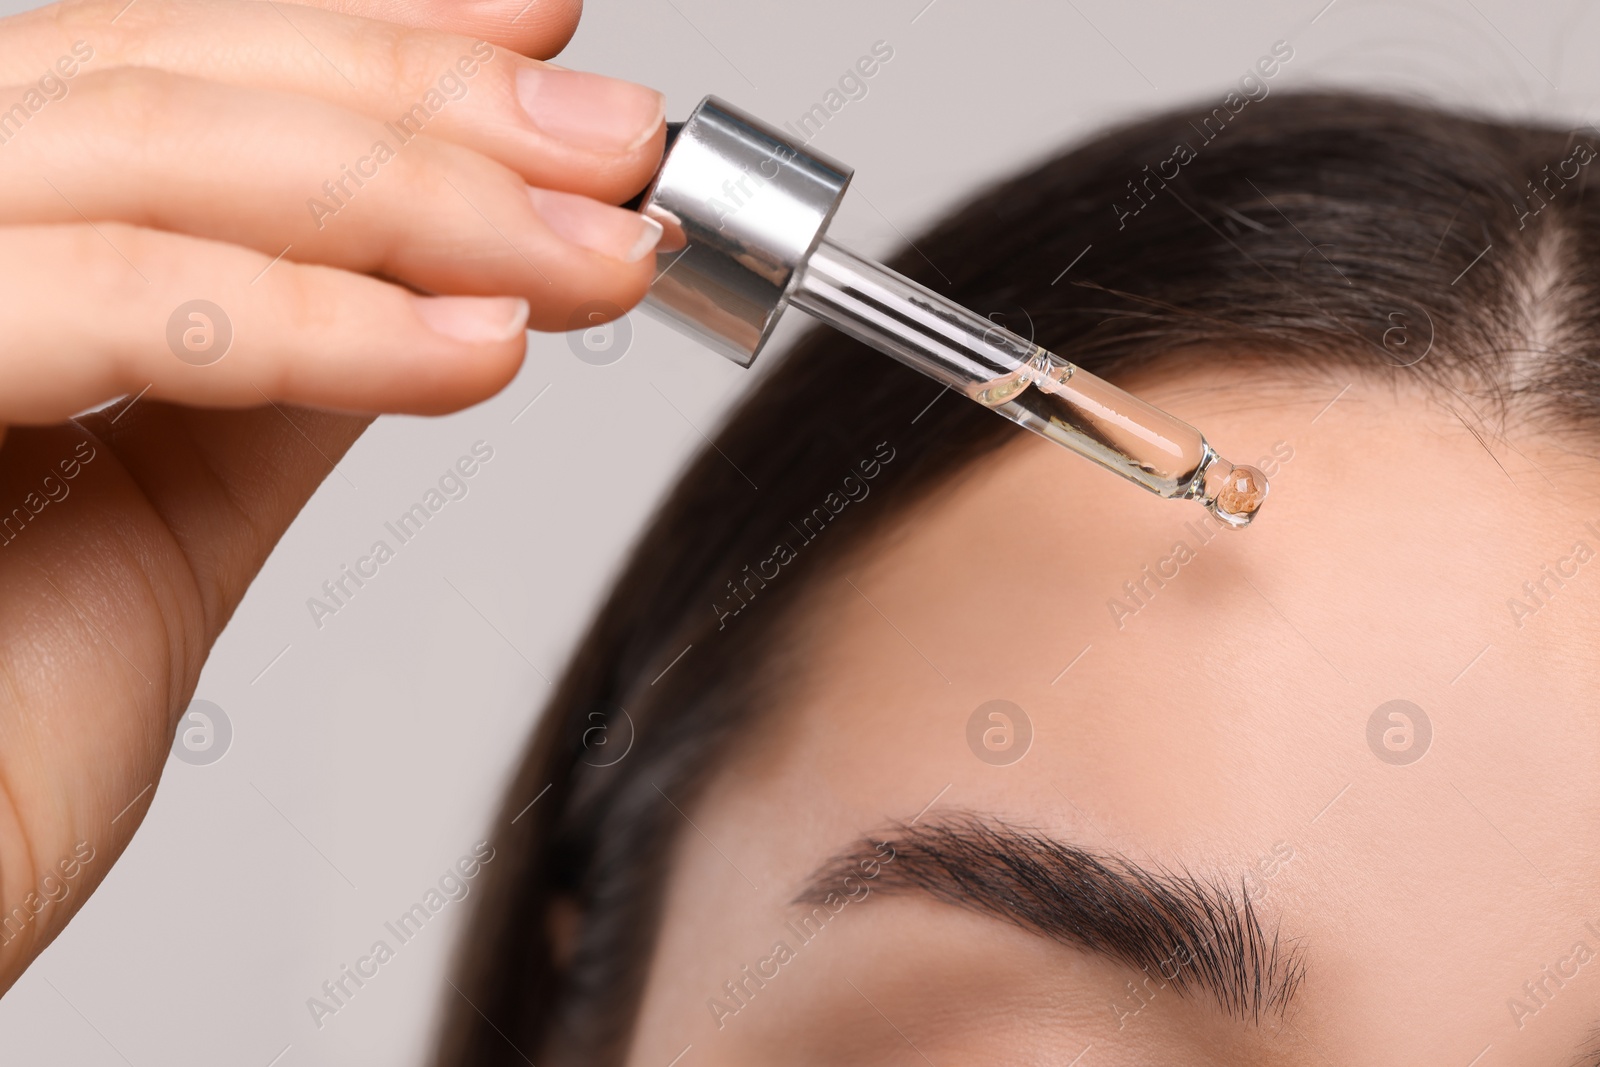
x=1372 y=706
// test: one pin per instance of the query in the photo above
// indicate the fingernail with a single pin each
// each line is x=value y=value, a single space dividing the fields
x=474 y=319
x=590 y=110
x=611 y=231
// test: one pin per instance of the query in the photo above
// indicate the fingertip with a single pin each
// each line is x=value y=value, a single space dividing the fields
x=472 y=319
x=609 y=294
x=616 y=233
x=486 y=342
x=561 y=22
x=628 y=176
x=539 y=29
x=606 y=116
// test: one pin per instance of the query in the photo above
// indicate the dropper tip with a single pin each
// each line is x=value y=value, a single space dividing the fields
x=1234 y=494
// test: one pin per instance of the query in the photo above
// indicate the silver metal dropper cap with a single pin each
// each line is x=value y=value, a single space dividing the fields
x=743 y=208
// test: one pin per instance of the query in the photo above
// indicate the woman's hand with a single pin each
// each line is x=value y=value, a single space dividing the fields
x=225 y=204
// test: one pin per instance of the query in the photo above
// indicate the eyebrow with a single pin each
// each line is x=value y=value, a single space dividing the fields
x=1191 y=933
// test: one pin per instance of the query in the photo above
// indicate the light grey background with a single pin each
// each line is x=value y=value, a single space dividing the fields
x=370 y=753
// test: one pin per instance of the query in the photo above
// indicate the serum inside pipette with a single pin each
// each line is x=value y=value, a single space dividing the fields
x=1234 y=494
x=1061 y=401
x=1016 y=378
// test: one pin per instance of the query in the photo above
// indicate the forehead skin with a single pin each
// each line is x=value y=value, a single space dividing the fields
x=1222 y=727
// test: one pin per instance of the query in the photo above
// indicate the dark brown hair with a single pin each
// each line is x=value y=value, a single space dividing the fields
x=1312 y=230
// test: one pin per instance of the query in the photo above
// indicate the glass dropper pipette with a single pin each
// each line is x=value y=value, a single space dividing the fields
x=1028 y=385
x=745 y=214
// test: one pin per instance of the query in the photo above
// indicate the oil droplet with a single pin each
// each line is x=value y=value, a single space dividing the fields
x=1234 y=494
